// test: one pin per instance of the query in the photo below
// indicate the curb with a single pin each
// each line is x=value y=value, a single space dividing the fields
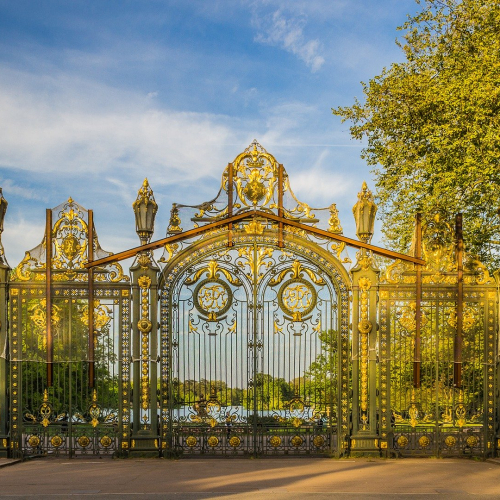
x=8 y=462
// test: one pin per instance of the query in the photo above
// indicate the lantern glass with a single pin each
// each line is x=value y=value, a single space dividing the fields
x=145 y=209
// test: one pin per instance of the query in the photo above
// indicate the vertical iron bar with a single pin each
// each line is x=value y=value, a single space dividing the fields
x=254 y=349
x=418 y=302
x=230 y=203
x=48 y=297
x=280 y=205
x=90 y=258
x=457 y=372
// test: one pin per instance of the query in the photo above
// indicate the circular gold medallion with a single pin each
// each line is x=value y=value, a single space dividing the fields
x=402 y=441
x=450 y=441
x=56 y=441
x=472 y=441
x=319 y=441
x=191 y=441
x=235 y=441
x=34 y=441
x=424 y=441
x=297 y=298
x=213 y=441
x=275 y=441
x=105 y=441
x=212 y=298
x=83 y=441
x=296 y=441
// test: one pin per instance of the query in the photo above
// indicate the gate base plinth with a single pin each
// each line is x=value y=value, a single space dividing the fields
x=144 y=445
x=4 y=447
x=365 y=447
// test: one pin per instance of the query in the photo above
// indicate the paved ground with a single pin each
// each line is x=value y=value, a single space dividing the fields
x=238 y=479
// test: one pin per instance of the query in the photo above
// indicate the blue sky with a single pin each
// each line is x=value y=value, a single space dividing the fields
x=97 y=95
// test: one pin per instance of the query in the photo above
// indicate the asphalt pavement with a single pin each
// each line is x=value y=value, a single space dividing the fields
x=239 y=479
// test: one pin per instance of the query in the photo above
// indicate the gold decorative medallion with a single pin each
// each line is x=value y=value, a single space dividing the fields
x=472 y=441
x=450 y=441
x=296 y=441
x=56 y=441
x=213 y=441
x=191 y=441
x=424 y=441
x=83 y=441
x=319 y=441
x=402 y=441
x=235 y=441
x=275 y=441
x=105 y=441
x=34 y=441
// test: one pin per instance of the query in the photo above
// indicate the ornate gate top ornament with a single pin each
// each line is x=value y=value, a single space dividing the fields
x=69 y=238
x=254 y=181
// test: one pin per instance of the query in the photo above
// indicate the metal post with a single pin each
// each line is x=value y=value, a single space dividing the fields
x=4 y=273
x=418 y=301
x=280 y=205
x=48 y=296
x=230 y=203
x=90 y=258
x=457 y=371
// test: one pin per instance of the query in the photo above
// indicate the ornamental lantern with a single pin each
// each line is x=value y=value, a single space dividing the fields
x=364 y=214
x=145 y=209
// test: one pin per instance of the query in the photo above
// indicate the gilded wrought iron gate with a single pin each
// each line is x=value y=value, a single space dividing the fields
x=64 y=375
x=252 y=356
x=254 y=347
x=439 y=413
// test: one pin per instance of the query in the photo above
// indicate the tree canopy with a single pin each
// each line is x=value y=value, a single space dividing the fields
x=432 y=124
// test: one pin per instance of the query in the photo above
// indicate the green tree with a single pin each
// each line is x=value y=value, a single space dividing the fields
x=432 y=123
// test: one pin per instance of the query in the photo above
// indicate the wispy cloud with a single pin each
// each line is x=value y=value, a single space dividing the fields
x=287 y=32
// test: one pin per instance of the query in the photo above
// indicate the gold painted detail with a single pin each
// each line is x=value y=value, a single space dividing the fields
x=297 y=270
x=402 y=442
x=175 y=221
x=38 y=315
x=408 y=318
x=254 y=227
x=450 y=441
x=424 y=441
x=468 y=318
x=319 y=441
x=213 y=273
x=364 y=327
x=254 y=264
x=275 y=441
x=472 y=441
x=213 y=441
x=105 y=441
x=191 y=441
x=144 y=325
x=56 y=441
x=296 y=441
x=83 y=441
x=34 y=441
x=235 y=441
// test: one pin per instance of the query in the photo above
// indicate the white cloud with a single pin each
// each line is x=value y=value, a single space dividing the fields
x=287 y=33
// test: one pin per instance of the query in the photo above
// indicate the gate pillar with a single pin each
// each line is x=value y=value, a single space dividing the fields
x=4 y=272
x=144 y=439
x=364 y=438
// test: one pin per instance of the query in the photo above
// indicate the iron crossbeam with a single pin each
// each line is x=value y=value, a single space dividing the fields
x=132 y=252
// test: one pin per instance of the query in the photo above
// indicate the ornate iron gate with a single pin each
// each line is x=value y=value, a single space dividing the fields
x=447 y=405
x=249 y=337
x=254 y=349
x=64 y=375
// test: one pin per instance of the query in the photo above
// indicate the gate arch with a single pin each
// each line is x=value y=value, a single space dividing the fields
x=272 y=324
